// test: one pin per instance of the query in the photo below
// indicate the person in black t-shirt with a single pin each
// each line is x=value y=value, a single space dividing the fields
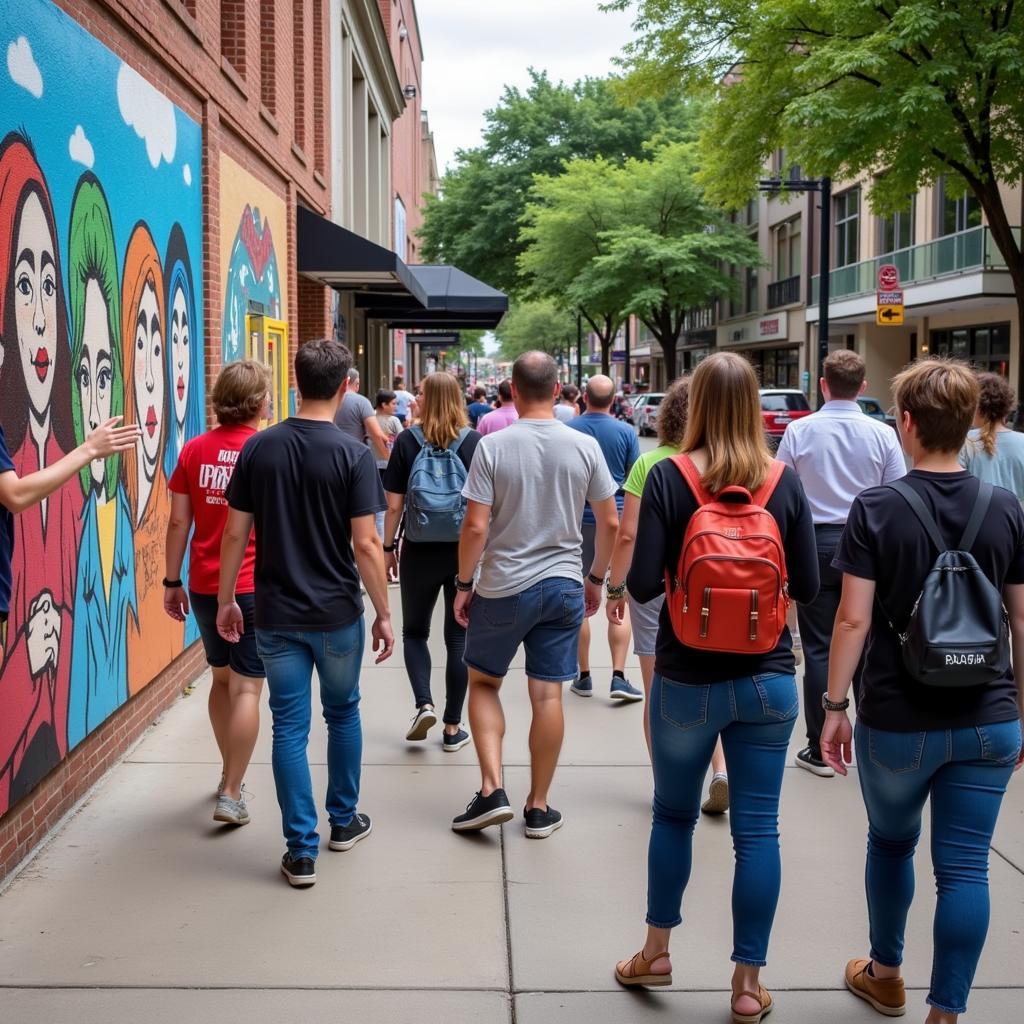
x=956 y=746
x=751 y=701
x=312 y=493
x=429 y=569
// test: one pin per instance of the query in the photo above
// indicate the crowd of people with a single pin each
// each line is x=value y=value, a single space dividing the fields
x=523 y=520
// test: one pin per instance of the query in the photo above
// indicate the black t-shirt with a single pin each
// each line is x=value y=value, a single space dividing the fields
x=304 y=481
x=884 y=541
x=665 y=511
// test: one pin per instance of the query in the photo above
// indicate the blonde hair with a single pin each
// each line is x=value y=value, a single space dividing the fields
x=241 y=391
x=724 y=418
x=442 y=410
x=941 y=396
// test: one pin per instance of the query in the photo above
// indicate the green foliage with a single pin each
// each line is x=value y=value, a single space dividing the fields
x=539 y=325
x=474 y=223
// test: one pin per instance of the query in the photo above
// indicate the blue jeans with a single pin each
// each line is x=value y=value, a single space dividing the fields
x=965 y=772
x=755 y=717
x=289 y=658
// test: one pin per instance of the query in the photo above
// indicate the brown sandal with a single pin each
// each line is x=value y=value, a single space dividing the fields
x=637 y=971
x=763 y=997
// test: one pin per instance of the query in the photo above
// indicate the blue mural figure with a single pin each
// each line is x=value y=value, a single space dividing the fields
x=183 y=340
x=252 y=277
x=105 y=590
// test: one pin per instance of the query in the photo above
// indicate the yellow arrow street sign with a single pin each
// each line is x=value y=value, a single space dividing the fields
x=889 y=316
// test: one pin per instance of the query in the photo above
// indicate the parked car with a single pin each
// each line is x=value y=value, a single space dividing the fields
x=779 y=407
x=645 y=412
x=873 y=408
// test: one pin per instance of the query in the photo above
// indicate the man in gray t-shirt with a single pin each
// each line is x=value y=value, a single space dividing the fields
x=357 y=418
x=526 y=488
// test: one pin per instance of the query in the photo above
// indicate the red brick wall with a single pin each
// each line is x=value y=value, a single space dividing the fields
x=176 y=44
x=407 y=173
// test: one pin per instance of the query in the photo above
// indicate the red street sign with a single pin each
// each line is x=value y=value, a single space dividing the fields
x=890 y=298
x=888 y=277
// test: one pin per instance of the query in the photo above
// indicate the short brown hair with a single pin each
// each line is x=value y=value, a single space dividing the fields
x=535 y=375
x=844 y=374
x=320 y=367
x=941 y=396
x=240 y=392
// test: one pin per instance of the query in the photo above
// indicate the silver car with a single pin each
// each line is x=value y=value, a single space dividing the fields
x=645 y=413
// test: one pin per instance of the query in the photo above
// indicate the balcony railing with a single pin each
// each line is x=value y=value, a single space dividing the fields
x=784 y=292
x=973 y=249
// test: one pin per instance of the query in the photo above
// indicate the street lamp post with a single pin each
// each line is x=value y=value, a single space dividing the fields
x=823 y=186
x=579 y=350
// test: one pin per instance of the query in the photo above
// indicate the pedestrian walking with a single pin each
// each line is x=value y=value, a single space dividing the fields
x=837 y=453
x=312 y=493
x=620 y=449
x=390 y=427
x=241 y=399
x=944 y=727
x=424 y=481
x=565 y=409
x=403 y=400
x=525 y=536
x=357 y=418
x=993 y=451
x=727 y=605
x=501 y=417
x=479 y=407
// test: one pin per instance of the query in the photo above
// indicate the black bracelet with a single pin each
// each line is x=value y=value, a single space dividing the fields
x=461 y=586
x=834 y=705
x=389 y=549
x=596 y=580
x=172 y=584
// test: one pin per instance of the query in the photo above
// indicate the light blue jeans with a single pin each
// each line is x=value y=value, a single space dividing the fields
x=289 y=658
x=964 y=772
x=755 y=717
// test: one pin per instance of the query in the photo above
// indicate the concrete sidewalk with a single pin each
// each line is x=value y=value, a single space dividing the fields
x=141 y=909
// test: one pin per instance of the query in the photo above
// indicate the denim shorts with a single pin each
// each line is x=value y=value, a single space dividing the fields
x=544 y=618
x=242 y=658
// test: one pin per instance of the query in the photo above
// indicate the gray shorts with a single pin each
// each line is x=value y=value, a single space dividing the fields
x=644 y=618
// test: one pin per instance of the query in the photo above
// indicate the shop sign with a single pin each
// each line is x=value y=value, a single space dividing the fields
x=619 y=356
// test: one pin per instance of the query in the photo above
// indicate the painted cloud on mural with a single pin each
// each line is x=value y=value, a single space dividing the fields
x=80 y=148
x=149 y=112
x=22 y=67
x=186 y=175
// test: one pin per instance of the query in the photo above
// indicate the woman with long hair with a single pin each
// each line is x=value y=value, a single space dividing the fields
x=993 y=451
x=699 y=695
x=429 y=568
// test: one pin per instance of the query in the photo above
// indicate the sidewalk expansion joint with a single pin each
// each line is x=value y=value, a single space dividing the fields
x=508 y=928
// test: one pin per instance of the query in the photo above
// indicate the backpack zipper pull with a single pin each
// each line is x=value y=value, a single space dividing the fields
x=705 y=612
x=753 y=615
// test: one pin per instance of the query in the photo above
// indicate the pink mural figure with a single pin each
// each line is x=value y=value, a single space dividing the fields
x=154 y=640
x=35 y=381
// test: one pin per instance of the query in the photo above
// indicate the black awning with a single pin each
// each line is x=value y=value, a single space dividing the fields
x=339 y=258
x=453 y=299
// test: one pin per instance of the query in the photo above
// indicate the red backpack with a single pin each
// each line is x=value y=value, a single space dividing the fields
x=730 y=590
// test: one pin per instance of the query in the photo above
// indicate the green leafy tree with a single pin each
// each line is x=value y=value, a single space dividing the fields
x=540 y=325
x=901 y=90
x=474 y=222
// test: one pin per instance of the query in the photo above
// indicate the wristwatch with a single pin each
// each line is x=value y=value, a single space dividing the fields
x=172 y=584
x=834 y=705
x=461 y=586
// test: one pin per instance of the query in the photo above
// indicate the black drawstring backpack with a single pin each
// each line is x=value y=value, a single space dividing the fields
x=958 y=635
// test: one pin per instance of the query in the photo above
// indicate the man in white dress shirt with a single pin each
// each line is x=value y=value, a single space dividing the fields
x=837 y=453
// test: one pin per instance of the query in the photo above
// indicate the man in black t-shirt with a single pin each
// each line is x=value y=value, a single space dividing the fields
x=312 y=494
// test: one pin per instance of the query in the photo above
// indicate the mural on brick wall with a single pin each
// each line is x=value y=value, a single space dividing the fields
x=252 y=219
x=100 y=315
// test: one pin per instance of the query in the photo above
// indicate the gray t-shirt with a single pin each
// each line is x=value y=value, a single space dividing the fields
x=352 y=415
x=565 y=412
x=1005 y=468
x=535 y=475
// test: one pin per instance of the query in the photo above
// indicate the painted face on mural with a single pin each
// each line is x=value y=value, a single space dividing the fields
x=149 y=376
x=95 y=372
x=35 y=303
x=181 y=338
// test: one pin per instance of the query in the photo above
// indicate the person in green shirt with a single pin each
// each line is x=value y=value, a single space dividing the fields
x=671 y=424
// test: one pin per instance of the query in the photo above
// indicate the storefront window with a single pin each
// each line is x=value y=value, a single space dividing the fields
x=986 y=347
x=847 y=210
x=776 y=367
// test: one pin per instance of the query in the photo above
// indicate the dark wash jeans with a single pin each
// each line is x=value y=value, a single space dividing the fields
x=755 y=717
x=964 y=772
x=816 y=622
x=427 y=571
x=289 y=658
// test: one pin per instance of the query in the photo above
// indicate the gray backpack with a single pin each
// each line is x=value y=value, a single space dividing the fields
x=434 y=505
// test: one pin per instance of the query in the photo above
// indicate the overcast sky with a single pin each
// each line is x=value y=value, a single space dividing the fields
x=473 y=48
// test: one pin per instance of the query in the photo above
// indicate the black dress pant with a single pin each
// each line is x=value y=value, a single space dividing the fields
x=428 y=570
x=817 y=620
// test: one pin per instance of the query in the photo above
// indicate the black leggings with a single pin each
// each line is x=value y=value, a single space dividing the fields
x=426 y=570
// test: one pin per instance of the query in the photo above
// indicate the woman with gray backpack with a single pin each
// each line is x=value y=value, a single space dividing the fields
x=934 y=586
x=424 y=480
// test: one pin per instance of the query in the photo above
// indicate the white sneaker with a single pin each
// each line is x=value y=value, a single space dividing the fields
x=424 y=720
x=718 y=795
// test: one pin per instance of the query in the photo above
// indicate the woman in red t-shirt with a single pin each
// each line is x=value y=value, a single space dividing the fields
x=240 y=400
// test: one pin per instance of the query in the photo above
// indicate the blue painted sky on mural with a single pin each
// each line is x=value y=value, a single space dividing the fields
x=64 y=80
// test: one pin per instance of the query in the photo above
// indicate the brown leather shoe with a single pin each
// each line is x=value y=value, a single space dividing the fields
x=762 y=996
x=637 y=971
x=886 y=995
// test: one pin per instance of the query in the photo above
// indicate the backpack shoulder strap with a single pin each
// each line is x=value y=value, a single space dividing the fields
x=417 y=432
x=763 y=494
x=686 y=466
x=913 y=499
x=457 y=443
x=978 y=513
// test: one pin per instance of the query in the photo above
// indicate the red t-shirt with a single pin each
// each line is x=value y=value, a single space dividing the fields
x=203 y=472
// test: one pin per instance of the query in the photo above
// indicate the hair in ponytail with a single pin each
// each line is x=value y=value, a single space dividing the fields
x=995 y=404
